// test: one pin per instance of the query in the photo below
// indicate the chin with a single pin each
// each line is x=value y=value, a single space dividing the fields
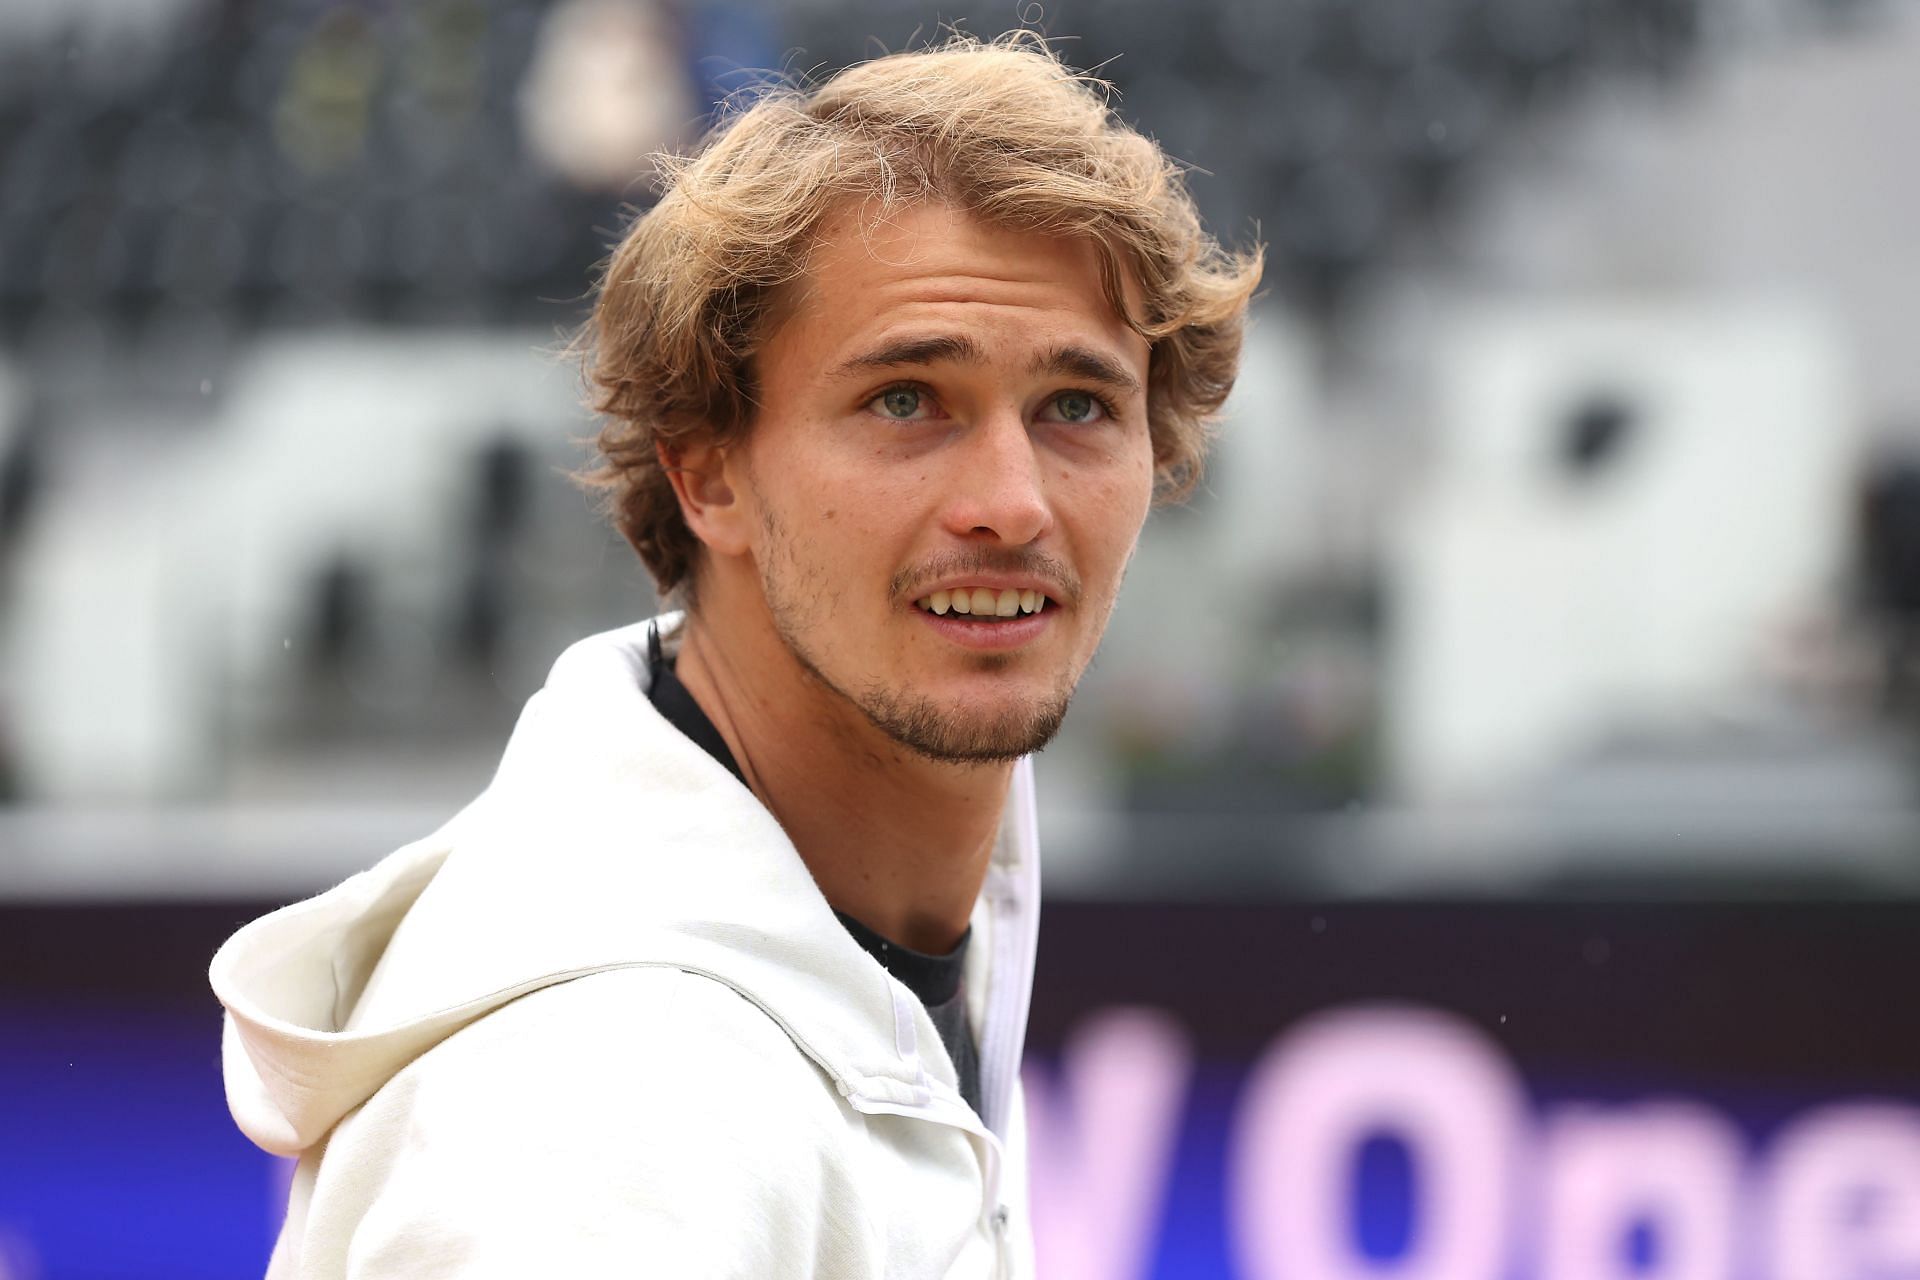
x=983 y=708
x=981 y=730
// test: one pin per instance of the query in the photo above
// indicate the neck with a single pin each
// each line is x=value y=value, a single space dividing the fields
x=896 y=841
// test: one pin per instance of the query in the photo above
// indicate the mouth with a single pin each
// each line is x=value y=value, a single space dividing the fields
x=988 y=619
x=984 y=603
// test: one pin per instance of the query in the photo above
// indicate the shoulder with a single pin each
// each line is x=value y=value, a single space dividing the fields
x=643 y=1109
x=620 y=1043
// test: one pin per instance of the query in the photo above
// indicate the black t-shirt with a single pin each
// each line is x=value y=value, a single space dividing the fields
x=938 y=981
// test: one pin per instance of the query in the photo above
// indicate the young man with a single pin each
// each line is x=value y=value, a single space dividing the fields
x=726 y=972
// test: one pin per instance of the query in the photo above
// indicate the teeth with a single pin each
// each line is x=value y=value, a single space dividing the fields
x=984 y=602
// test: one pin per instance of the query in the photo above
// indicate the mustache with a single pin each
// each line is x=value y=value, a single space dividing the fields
x=1063 y=584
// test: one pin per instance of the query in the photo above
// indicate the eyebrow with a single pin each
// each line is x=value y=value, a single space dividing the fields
x=1069 y=361
x=1092 y=366
x=937 y=349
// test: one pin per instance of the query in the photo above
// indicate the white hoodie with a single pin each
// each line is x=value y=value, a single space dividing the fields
x=603 y=1023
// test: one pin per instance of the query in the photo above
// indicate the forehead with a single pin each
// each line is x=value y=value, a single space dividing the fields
x=930 y=270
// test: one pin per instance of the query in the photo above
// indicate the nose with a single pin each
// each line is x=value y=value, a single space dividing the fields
x=996 y=487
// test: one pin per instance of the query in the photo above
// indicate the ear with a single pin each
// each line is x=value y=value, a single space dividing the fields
x=703 y=479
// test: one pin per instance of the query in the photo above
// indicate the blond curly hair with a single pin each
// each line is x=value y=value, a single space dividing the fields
x=1001 y=129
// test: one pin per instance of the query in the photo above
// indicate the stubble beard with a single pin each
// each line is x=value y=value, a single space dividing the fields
x=915 y=721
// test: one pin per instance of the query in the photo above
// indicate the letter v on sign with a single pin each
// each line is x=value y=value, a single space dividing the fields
x=1102 y=1139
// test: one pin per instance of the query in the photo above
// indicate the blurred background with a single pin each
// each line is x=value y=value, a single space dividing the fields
x=1506 y=763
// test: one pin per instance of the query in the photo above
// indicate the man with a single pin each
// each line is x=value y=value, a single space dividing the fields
x=726 y=972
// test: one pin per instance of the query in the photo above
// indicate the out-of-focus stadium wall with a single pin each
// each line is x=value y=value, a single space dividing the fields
x=1277 y=1091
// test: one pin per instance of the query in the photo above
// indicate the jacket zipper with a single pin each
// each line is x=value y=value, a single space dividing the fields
x=1013 y=953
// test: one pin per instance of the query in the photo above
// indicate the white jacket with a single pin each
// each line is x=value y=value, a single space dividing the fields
x=603 y=1023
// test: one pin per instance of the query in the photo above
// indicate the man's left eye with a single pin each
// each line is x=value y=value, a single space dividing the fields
x=1078 y=406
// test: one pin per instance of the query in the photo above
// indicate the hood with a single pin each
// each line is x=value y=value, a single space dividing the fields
x=606 y=840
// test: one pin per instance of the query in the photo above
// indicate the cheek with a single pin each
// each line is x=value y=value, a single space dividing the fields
x=1141 y=489
x=1108 y=512
x=856 y=526
x=1128 y=496
x=868 y=524
x=880 y=499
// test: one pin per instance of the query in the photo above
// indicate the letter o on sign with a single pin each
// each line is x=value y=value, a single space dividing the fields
x=1338 y=1078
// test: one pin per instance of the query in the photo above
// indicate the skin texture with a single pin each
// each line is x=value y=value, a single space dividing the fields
x=883 y=745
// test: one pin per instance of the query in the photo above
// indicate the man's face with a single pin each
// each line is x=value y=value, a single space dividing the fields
x=951 y=417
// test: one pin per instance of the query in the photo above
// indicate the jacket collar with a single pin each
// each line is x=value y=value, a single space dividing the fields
x=605 y=840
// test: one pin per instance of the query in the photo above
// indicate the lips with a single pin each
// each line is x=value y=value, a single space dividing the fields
x=991 y=633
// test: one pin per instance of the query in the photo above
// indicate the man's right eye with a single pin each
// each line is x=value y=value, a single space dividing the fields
x=902 y=404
